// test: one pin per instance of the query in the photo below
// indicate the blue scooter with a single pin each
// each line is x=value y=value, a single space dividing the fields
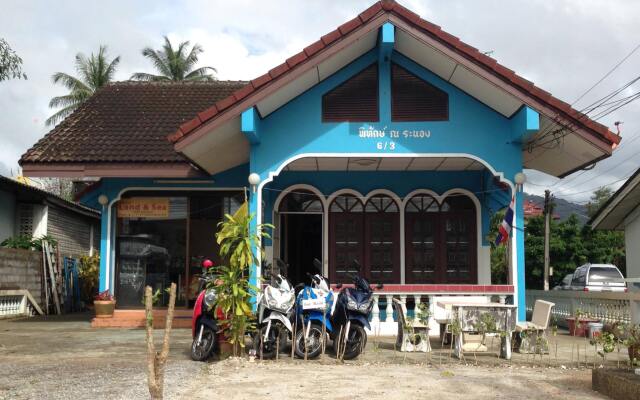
x=351 y=316
x=314 y=305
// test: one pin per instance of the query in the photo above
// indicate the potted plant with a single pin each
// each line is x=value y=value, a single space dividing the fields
x=631 y=335
x=104 y=304
x=233 y=288
x=579 y=323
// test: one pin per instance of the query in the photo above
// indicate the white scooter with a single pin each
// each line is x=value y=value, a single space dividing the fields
x=275 y=313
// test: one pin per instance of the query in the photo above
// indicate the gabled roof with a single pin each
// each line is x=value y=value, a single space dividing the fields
x=127 y=122
x=623 y=203
x=26 y=193
x=391 y=9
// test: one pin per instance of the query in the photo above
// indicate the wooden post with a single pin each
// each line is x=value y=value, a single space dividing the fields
x=156 y=361
x=547 y=233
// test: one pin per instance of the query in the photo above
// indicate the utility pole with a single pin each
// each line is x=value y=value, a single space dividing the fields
x=547 y=223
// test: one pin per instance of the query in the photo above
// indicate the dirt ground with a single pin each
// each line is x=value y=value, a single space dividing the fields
x=239 y=379
x=64 y=358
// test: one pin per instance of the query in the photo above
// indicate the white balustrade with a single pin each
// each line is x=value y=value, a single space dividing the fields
x=608 y=307
x=411 y=301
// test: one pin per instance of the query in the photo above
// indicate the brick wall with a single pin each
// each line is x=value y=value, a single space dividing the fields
x=21 y=269
x=72 y=231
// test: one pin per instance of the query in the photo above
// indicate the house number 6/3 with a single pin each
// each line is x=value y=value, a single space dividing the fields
x=386 y=145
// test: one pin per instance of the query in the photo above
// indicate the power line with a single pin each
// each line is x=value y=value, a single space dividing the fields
x=601 y=186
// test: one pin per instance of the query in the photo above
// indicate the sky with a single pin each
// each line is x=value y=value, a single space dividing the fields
x=564 y=46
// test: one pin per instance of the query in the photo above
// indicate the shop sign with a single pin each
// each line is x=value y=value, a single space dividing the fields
x=386 y=139
x=143 y=207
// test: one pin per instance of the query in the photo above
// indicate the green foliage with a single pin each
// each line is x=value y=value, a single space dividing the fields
x=89 y=272
x=570 y=245
x=237 y=246
x=598 y=199
x=10 y=63
x=175 y=64
x=26 y=242
x=94 y=72
x=499 y=261
x=18 y=242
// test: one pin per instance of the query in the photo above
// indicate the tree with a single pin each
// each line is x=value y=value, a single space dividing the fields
x=598 y=198
x=175 y=64
x=10 y=63
x=499 y=261
x=94 y=72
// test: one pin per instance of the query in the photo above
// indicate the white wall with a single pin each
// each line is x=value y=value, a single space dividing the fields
x=632 y=246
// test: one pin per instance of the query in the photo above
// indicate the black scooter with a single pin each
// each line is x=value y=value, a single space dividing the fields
x=351 y=316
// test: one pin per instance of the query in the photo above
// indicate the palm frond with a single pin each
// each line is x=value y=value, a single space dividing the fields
x=159 y=60
x=70 y=82
x=201 y=74
x=145 y=77
x=60 y=115
x=66 y=100
x=192 y=59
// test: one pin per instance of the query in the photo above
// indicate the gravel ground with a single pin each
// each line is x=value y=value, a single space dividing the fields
x=64 y=358
x=239 y=379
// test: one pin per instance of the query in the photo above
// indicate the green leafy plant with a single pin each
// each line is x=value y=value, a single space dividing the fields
x=89 y=272
x=630 y=334
x=27 y=242
x=18 y=242
x=237 y=244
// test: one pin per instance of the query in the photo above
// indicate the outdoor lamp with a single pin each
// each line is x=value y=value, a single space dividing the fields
x=103 y=199
x=520 y=178
x=254 y=180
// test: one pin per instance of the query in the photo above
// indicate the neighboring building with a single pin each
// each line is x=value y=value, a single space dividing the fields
x=388 y=141
x=531 y=209
x=622 y=212
x=29 y=211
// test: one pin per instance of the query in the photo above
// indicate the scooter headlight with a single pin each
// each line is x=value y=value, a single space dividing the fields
x=352 y=304
x=210 y=298
x=366 y=306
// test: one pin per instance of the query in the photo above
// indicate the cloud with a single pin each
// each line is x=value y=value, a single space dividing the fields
x=564 y=46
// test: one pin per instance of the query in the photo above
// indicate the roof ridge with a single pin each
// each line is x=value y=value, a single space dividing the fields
x=471 y=53
x=176 y=83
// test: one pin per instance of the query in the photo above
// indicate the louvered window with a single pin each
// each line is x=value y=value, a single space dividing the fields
x=354 y=100
x=413 y=99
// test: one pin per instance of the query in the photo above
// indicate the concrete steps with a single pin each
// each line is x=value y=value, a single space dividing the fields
x=136 y=319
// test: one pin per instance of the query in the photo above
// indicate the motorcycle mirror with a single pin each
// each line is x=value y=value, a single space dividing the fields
x=379 y=286
x=339 y=286
x=317 y=264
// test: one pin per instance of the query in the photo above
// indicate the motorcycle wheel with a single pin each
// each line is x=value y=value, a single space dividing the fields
x=313 y=342
x=356 y=341
x=203 y=350
x=269 y=345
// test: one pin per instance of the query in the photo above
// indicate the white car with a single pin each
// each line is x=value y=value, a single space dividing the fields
x=598 y=278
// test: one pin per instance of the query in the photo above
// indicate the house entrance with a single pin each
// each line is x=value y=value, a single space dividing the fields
x=301 y=234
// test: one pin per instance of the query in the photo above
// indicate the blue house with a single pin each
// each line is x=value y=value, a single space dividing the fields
x=388 y=141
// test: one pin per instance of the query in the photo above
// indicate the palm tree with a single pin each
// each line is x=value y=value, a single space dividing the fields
x=94 y=72
x=175 y=65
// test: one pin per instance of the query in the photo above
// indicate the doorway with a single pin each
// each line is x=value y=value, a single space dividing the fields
x=302 y=242
x=300 y=230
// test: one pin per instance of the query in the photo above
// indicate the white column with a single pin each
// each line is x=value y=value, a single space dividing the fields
x=417 y=298
x=375 y=313
x=403 y=301
x=389 y=310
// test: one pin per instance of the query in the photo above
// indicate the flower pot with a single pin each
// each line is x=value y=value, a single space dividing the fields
x=634 y=353
x=226 y=348
x=104 y=308
x=581 y=328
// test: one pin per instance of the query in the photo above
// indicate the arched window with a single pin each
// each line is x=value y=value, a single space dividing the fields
x=300 y=201
x=440 y=240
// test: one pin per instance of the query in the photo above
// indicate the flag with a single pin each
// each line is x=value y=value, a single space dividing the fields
x=505 y=227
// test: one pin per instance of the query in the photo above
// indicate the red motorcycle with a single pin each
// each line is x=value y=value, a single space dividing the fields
x=204 y=326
